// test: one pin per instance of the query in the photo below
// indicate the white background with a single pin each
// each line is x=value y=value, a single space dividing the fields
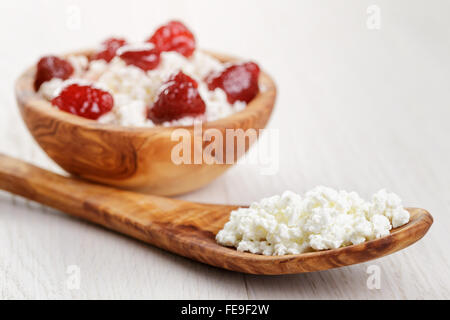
x=358 y=109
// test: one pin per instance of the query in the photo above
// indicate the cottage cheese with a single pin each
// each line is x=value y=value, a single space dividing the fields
x=322 y=219
x=134 y=90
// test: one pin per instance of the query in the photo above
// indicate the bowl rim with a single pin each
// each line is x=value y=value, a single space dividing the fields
x=27 y=97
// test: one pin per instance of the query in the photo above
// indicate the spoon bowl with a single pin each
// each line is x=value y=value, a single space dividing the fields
x=134 y=158
x=186 y=228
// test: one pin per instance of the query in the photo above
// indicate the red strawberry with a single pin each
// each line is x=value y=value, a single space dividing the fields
x=180 y=98
x=174 y=36
x=146 y=59
x=110 y=47
x=84 y=101
x=240 y=82
x=50 y=67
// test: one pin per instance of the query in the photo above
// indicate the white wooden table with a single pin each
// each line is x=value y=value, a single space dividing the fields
x=358 y=109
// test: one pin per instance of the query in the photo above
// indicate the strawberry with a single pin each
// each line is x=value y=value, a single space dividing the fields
x=50 y=67
x=84 y=101
x=178 y=99
x=240 y=82
x=110 y=47
x=146 y=59
x=174 y=36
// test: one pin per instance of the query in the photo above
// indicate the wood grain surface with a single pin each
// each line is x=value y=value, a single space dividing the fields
x=357 y=109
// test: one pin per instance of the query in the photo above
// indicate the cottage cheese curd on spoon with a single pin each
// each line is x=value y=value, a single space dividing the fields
x=322 y=219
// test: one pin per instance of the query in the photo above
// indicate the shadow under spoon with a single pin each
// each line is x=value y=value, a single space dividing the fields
x=186 y=228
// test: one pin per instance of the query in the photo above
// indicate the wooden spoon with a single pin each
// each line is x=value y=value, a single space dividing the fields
x=186 y=228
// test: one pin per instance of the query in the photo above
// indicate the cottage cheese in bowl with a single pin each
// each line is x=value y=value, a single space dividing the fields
x=138 y=75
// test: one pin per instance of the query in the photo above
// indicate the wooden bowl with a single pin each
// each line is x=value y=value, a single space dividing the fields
x=131 y=157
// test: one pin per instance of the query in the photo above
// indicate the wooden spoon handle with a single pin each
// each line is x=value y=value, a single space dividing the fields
x=71 y=195
x=156 y=220
x=31 y=182
x=75 y=196
x=88 y=201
